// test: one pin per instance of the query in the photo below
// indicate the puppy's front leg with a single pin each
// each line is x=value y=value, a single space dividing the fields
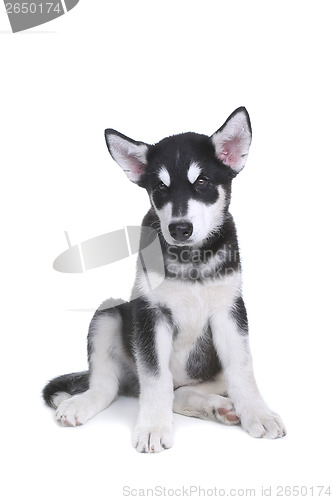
x=153 y=431
x=231 y=341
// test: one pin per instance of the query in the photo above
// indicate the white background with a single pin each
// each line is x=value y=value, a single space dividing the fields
x=151 y=69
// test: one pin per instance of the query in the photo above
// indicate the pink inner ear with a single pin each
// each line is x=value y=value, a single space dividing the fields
x=137 y=168
x=231 y=152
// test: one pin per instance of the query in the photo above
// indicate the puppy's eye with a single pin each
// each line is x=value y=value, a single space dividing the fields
x=161 y=186
x=201 y=181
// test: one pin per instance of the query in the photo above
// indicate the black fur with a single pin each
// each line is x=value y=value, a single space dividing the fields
x=223 y=240
x=239 y=314
x=146 y=318
x=176 y=154
x=72 y=383
x=122 y=310
x=223 y=243
x=203 y=363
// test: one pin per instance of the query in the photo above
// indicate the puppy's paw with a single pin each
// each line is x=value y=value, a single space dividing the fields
x=224 y=411
x=263 y=423
x=74 y=411
x=152 y=439
x=205 y=406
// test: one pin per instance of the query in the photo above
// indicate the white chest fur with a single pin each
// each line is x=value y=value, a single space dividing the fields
x=192 y=305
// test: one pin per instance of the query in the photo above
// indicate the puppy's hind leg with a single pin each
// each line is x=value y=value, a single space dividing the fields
x=206 y=401
x=105 y=366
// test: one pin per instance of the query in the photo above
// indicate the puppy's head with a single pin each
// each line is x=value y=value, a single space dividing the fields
x=187 y=176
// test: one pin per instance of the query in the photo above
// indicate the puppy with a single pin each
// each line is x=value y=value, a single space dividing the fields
x=181 y=343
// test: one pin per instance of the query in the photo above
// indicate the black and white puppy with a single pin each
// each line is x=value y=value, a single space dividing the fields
x=181 y=343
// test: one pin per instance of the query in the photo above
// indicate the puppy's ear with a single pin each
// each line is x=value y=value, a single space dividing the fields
x=232 y=141
x=130 y=155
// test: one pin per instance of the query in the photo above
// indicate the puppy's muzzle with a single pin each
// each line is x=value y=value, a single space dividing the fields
x=181 y=230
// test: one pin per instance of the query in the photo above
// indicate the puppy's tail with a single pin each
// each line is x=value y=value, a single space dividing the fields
x=65 y=386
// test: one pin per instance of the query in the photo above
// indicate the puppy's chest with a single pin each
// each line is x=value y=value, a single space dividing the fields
x=191 y=327
x=190 y=322
x=193 y=356
x=192 y=304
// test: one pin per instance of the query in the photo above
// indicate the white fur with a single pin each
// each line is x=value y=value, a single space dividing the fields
x=192 y=305
x=165 y=216
x=204 y=218
x=164 y=176
x=205 y=400
x=193 y=172
x=234 y=352
x=105 y=373
x=153 y=431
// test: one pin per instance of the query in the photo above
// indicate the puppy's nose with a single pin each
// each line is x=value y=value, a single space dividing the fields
x=180 y=231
